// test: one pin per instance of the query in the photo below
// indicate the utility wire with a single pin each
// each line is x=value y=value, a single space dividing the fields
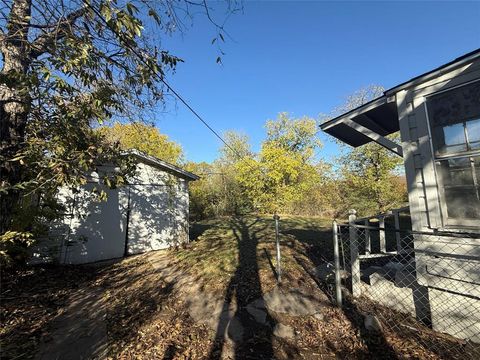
x=169 y=87
x=141 y=59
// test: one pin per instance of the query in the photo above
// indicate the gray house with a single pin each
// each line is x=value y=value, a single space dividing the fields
x=438 y=116
x=150 y=213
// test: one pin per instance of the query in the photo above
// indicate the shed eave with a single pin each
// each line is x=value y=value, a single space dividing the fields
x=156 y=162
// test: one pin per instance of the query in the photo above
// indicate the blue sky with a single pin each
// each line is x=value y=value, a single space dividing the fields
x=305 y=58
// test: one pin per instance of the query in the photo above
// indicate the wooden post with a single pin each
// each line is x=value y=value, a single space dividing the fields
x=336 y=254
x=277 y=240
x=396 y=214
x=354 y=259
x=381 y=233
x=368 y=246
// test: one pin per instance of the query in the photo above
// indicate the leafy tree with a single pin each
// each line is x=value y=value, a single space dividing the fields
x=373 y=179
x=219 y=192
x=294 y=135
x=280 y=174
x=358 y=98
x=237 y=147
x=145 y=138
x=270 y=181
x=67 y=67
x=202 y=201
x=372 y=175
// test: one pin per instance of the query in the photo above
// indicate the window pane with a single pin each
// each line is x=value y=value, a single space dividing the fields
x=456 y=172
x=455 y=141
x=448 y=111
x=462 y=204
x=461 y=187
x=473 y=130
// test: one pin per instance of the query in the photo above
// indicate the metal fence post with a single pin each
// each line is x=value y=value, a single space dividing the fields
x=277 y=240
x=368 y=246
x=396 y=216
x=354 y=258
x=336 y=253
x=381 y=233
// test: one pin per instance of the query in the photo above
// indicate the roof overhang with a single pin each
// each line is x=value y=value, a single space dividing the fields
x=369 y=122
x=379 y=117
x=163 y=165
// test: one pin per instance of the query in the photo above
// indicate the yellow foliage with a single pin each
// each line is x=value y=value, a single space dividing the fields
x=145 y=138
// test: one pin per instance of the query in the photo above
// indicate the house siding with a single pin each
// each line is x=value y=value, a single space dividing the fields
x=416 y=141
x=447 y=266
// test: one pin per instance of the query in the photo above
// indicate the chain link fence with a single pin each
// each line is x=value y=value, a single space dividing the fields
x=423 y=286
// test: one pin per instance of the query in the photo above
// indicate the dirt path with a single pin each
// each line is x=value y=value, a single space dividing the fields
x=80 y=331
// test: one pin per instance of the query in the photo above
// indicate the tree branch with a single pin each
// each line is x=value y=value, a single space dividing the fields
x=44 y=42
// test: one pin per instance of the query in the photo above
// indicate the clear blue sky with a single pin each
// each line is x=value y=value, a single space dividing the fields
x=305 y=58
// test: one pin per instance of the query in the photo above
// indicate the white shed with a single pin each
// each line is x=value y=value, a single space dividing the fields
x=150 y=213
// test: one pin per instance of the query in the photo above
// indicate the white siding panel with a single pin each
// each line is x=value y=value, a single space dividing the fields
x=150 y=213
x=97 y=228
x=151 y=218
x=158 y=215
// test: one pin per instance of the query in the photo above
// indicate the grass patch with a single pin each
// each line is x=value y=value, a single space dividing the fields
x=218 y=246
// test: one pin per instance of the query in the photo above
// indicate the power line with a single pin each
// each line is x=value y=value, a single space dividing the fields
x=169 y=87
x=141 y=59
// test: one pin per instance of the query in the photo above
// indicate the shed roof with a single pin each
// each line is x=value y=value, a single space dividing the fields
x=163 y=165
x=380 y=116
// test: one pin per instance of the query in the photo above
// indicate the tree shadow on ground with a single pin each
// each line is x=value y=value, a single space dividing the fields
x=251 y=338
x=317 y=243
x=30 y=298
x=135 y=296
x=197 y=230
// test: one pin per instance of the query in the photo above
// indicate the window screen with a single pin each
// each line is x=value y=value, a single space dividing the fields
x=455 y=123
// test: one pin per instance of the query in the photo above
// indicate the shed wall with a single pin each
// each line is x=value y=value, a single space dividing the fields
x=158 y=210
x=149 y=214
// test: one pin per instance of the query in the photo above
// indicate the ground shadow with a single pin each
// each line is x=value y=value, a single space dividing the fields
x=197 y=230
x=377 y=345
x=30 y=299
x=250 y=337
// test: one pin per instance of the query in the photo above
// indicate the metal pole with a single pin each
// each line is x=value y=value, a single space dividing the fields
x=368 y=246
x=338 y=280
x=279 y=271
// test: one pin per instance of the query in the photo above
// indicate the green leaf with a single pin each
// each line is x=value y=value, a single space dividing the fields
x=132 y=9
x=154 y=15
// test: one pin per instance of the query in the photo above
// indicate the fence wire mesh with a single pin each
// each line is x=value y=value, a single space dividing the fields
x=422 y=286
